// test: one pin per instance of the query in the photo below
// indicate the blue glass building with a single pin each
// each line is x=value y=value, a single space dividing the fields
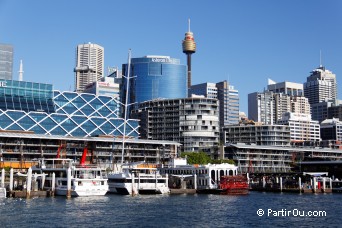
x=27 y=106
x=154 y=77
x=26 y=96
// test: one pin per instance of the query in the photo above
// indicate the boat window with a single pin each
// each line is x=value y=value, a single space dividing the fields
x=116 y=180
x=213 y=174
x=221 y=173
x=148 y=181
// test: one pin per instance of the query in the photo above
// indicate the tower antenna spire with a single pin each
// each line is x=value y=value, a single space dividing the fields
x=189 y=25
x=320 y=58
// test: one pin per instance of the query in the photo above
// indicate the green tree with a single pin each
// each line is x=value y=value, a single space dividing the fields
x=220 y=161
x=196 y=158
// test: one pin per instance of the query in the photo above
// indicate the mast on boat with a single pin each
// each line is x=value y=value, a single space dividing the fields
x=126 y=105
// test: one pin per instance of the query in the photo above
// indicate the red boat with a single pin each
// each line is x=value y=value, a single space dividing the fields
x=234 y=185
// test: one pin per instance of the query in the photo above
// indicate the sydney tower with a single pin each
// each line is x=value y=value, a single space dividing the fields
x=189 y=47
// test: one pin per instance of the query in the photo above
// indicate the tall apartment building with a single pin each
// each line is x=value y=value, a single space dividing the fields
x=282 y=104
x=320 y=85
x=228 y=99
x=269 y=106
x=6 y=61
x=193 y=122
x=261 y=107
x=302 y=128
x=89 y=65
x=300 y=105
x=265 y=135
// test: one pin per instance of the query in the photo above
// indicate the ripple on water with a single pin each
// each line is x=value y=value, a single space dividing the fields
x=169 y=211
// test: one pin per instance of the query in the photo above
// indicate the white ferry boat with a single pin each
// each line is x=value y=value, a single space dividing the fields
x=138 y=178
x=203 y=178
x=86 y=180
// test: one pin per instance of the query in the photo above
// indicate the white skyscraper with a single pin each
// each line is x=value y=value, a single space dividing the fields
x=89 y=65
x=261 y=107
x=320 y=86
x=6 y=61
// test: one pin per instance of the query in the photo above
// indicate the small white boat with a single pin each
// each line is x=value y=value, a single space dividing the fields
x=138 y=178
x=86 y=180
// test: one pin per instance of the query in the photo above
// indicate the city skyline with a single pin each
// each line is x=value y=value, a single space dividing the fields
x=244 y=43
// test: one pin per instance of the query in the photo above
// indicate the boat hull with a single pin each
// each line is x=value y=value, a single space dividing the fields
x=234 y=185
x=82 y=192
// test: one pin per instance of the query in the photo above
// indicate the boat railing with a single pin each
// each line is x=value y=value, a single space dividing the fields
x=90 y=166
x=56 y=166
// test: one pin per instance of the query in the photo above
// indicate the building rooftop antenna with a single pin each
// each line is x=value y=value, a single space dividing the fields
x=189 y=24
x=21 y=71
x=320 y=58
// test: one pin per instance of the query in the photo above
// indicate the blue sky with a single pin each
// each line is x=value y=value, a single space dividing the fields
x=243 y=41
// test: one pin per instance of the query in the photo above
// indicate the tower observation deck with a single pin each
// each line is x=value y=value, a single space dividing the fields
x=189 y=47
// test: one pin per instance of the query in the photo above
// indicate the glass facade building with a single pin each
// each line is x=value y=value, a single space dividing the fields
x=26 y=96
x=155 y=77
x=6 y=61
x=36 y=107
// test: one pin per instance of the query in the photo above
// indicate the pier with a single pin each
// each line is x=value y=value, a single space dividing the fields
x=291 y=182
x=26 y=185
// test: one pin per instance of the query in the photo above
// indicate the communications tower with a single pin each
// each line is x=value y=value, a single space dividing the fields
x=189 y=47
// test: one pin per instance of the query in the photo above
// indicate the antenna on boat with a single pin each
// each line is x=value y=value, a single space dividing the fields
x=125 y=105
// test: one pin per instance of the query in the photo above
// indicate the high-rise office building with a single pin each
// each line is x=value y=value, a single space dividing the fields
x=154 y=77
x=89 y=65
x=320 y=85
x=331 y=129
x=228 y=99
x=261 y=107
x=288 y=88
x=335 y=112
x=6 y=61
x=268 y=107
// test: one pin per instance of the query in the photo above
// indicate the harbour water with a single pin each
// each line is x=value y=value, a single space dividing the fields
x=175 y=211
